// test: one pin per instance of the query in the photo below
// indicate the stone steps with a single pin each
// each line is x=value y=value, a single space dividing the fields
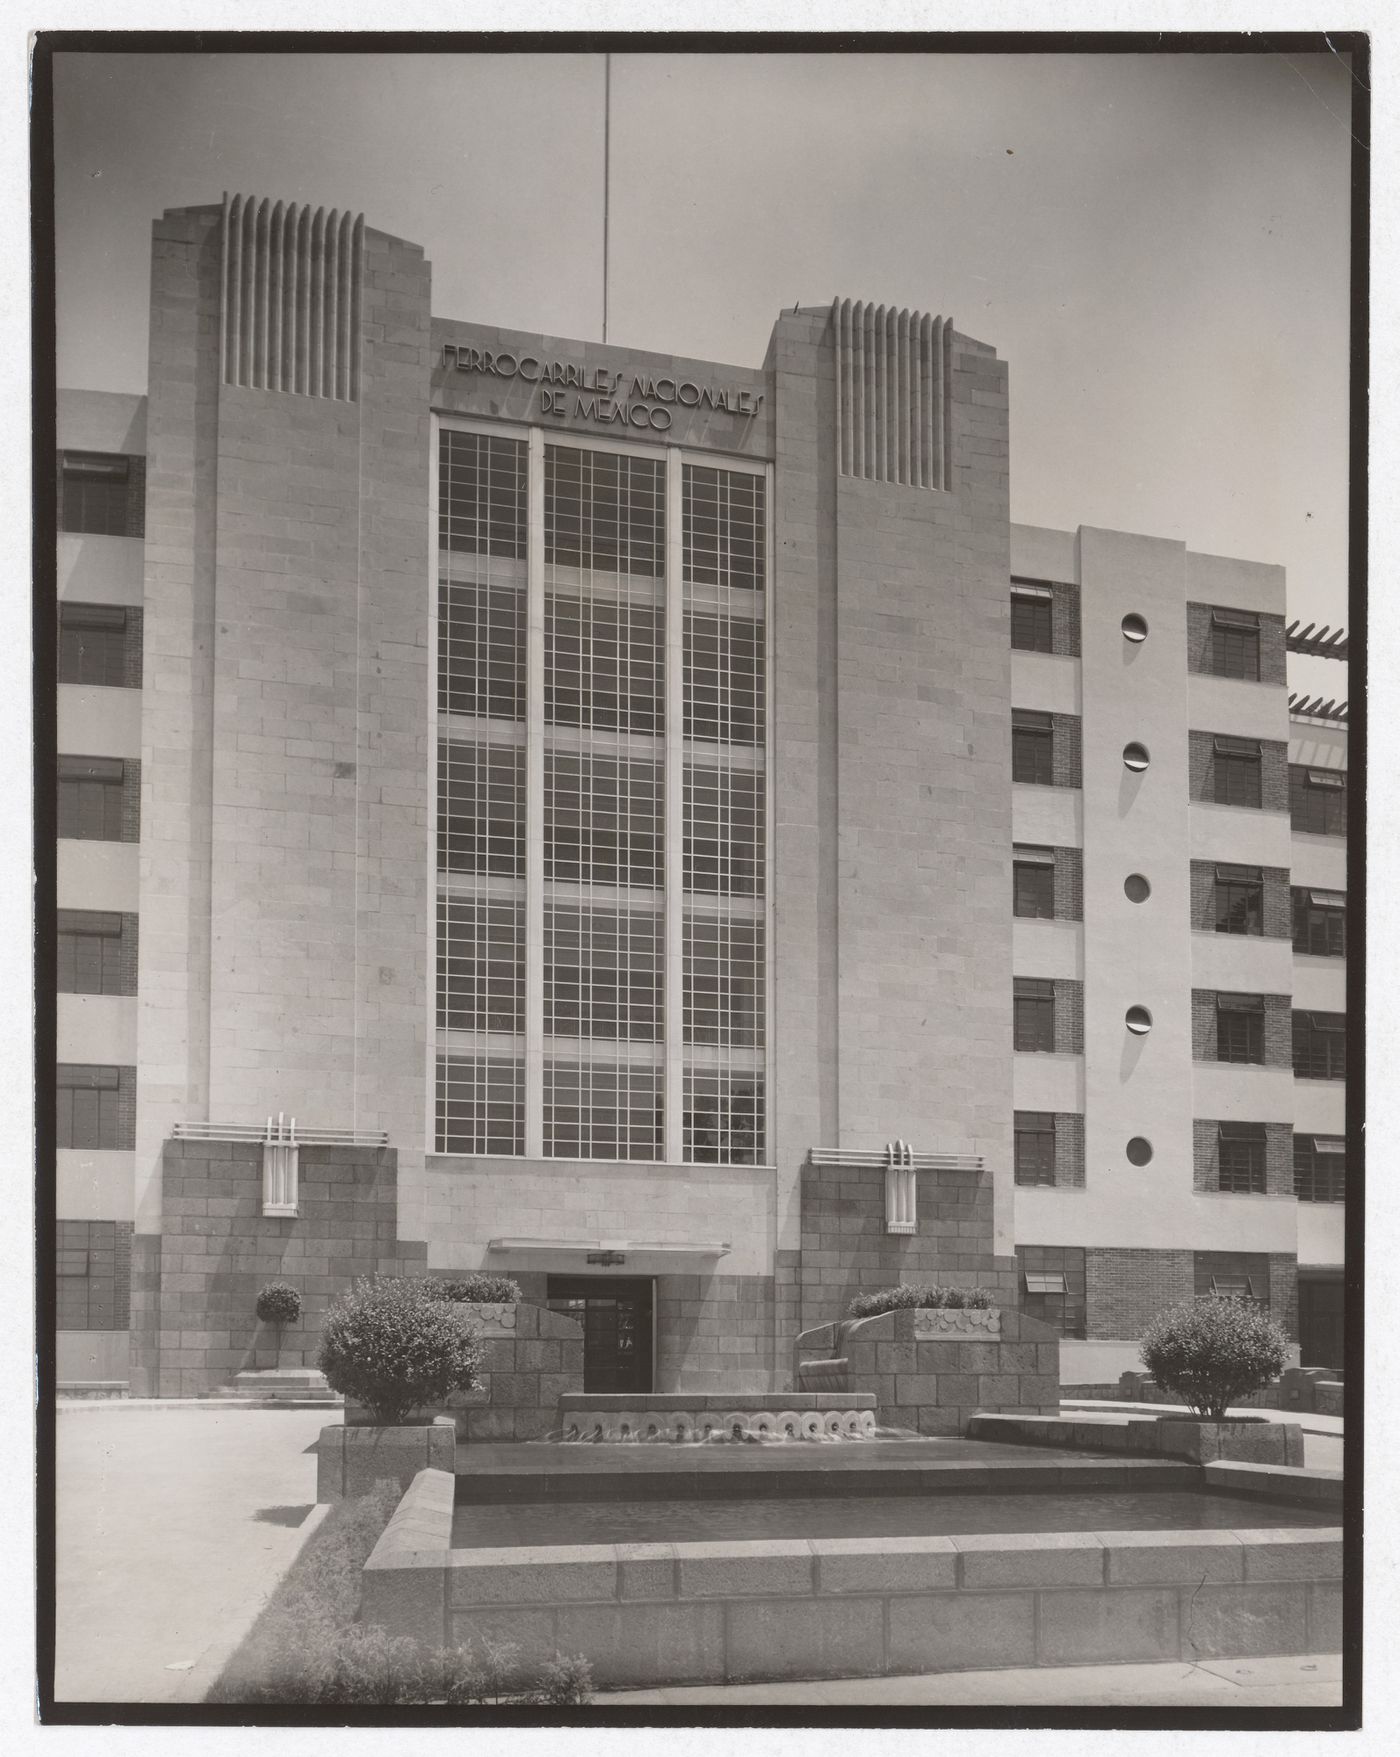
x=301 y=1385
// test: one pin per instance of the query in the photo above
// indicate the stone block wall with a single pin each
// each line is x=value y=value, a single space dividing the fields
x=846 y=1250
x=714 y=1332
x=931 y=1371
x=193 y=1295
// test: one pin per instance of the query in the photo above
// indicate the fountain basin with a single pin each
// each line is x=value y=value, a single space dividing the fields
x=685 y=1417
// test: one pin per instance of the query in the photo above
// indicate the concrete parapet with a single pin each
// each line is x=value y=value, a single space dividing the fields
x=350 y=1460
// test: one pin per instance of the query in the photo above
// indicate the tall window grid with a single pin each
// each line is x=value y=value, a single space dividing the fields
x=649 y=733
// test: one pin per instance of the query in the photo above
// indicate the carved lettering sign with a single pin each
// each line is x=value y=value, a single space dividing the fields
x=565 y=389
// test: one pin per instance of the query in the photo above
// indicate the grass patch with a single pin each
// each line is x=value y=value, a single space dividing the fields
x=308 y=1647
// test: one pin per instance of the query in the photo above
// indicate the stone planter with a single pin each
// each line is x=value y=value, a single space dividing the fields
x=1204 y=1442
x=350 y=1460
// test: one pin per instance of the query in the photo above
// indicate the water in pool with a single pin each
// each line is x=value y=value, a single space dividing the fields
x=511 y=1525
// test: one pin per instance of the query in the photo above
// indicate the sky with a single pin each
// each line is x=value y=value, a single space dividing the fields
x=1158 y=245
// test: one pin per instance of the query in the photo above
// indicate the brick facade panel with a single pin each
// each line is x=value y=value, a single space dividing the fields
x=1067 y=751
x=1069 y=1150
x=1069 y=884
x=1124 y=1289
x=1064 y=618
x=1069 y=1016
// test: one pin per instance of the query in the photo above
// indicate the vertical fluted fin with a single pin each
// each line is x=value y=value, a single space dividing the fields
x=290 y=315
x=893 y=413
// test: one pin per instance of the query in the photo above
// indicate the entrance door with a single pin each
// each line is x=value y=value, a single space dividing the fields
x=616 y=1315
x=1320 y=1331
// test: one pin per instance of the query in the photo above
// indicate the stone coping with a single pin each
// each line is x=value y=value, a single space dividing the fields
x=1275 y=1482
x=608 y=1402
x=657 y=1612
x=1167 y=1436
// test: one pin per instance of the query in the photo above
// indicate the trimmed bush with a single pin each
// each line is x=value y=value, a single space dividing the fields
x=478 y=1290
x=1211 y=1352
x=913 y=1295
x=394 y=1344
x=279 y=1303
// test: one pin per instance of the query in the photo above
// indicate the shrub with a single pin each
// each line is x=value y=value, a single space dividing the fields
x=394 y=1344
x=1212 y=1352
x=566 y=1682
x=910 y=1295
x=481 y=1290
x=279 y=1303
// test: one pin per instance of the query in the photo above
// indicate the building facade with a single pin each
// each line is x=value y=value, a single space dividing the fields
x=657 y=829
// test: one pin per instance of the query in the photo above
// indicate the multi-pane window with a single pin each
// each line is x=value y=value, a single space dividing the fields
x=553 y=1026
x=1243 y=1159
x=1317 y=800
x=96 y=952
x=1234 y=644
x=1033 y=1003
x=1319 y=1168
x=481 y=494
x=95 y=1107
x=99 y=644
x=1232 y=1275
x=1320 y=1046
x=1032 y=617
x=480 y=1104
x=92 y=799
x=1239 y=1028
x=1035 y=1147
x=1319 y=923
x=480 y=963
x=1032 y=747
x=1238 y=769
x=1033 y=882
x=101 y=493
x=1053 y=1286
x=1239 y=899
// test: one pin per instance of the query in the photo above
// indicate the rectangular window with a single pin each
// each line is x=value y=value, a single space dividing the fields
x=101 y=493
x=92 y=1263
x=726 y=541
x=1239 y=899
x=480 y=1105
x=481 y=494
x=95 y=1108
x=1032 y=617
x=724 y=830
x=1243 y=1159
x=603 y=664
x=481 y=650
x=1320 y=1046
x=602 y=974
x=1032 y=747
x=91 y=798
x=1239 y=1028
x=1233 y=1275
x=724 y=981
x=480 y=964
x=1319 y=1168
x=602 y=1111
x=1317 y=800
x=724 y=673
x=602 y=819
x=1034 y=1004
x=1035 y=1147
x=603 y=512
x=96 y=952
x=1033 y=882
x=99 y=644
x=1052 y=1286
x=723 y=1122
x=1234 y=644
x=1319 y=923
x=1238 y=772
x=481 y=808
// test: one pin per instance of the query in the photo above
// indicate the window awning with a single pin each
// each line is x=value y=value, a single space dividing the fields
x=577 y=1247
x=1244 y=619
x=1031 y=589
x=1022 y=854
x=1328 y=899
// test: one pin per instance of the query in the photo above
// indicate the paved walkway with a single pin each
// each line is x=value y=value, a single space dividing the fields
x=1305 y=1681
x=175 y=1522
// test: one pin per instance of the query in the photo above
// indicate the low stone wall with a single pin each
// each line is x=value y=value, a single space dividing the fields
x=657 y=1613
x=1305 y=1389
x=531 y=1357
x=932 y=1369
x=1258 y=1442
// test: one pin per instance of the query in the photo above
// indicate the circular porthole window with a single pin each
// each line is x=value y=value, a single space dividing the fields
x=1139 y=1150
x=1138 y=1020
x=1135 y=757
x=1136 y=888
x=1134 y=627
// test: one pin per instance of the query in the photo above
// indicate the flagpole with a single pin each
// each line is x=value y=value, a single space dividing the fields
x=607 y=145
